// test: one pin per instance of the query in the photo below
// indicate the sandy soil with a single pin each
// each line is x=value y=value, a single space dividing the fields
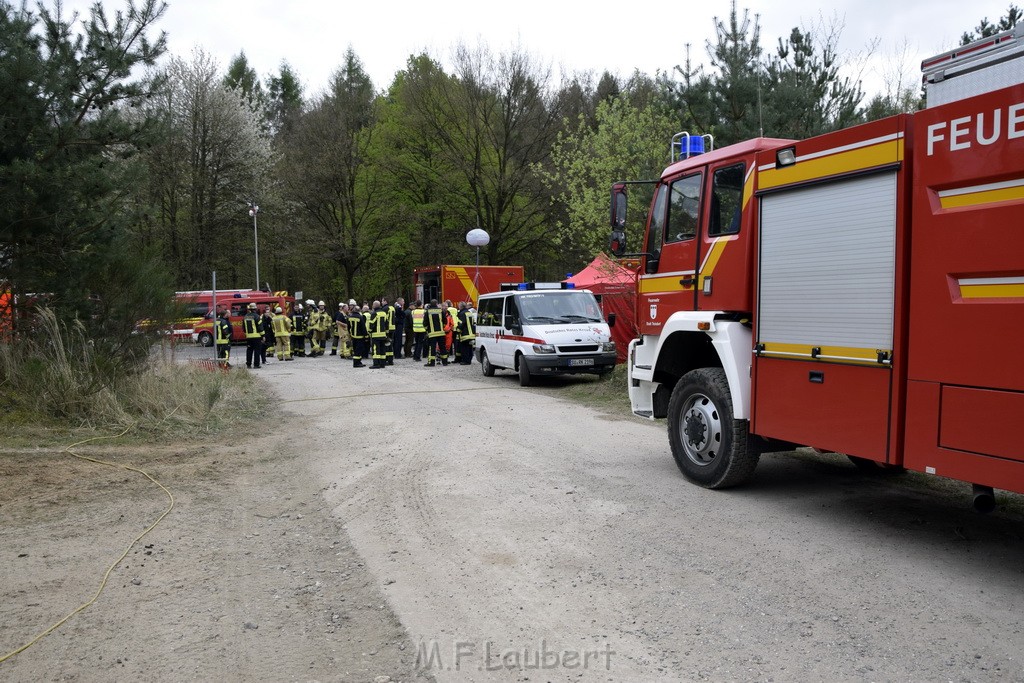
x=429 y=522
x=248 y=578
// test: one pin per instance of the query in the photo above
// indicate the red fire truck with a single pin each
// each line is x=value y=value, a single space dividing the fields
x=462 y=283
x=235 y=302
x=859 y=292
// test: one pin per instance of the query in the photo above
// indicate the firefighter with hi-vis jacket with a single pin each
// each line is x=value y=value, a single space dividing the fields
x=357 y=331
x=435 y=321
x=389 y=350
x=379 y=335
x=341 y=343
x=282 y=333
x=253 y=324
x=298 y=336
x=318 y=320
x=465 y=333
x=223 y=326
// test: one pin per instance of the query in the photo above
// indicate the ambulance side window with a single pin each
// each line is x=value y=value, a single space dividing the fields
x=489 y=314
x=512 y=311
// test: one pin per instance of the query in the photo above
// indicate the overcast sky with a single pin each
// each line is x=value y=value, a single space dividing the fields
x=568 y=35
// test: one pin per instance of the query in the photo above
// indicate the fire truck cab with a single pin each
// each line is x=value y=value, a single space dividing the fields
x=860 y=292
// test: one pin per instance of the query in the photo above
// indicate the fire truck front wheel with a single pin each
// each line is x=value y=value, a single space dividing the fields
x=205 y=339
x=710 y=446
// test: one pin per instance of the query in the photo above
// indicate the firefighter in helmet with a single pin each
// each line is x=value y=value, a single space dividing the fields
x=223 y=327
x=358 y=333
x=282 y=334
x=298 y=335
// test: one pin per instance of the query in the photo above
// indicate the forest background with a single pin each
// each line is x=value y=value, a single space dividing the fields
x=126 y=174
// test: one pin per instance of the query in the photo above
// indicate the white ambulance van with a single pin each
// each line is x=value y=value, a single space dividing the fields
x=542 y=329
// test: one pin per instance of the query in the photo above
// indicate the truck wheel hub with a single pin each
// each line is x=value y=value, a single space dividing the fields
x=701 y=427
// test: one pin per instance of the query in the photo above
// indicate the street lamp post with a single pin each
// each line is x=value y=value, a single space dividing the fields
x=253 y=210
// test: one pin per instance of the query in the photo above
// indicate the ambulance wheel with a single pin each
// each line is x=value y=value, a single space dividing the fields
x=485 y=364
x=710 y=447
x=205 y=339
x=524 y=373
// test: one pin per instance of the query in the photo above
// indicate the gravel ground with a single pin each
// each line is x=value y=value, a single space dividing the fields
x=466 y=529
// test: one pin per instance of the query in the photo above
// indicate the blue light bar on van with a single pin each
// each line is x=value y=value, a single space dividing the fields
x=529 y=286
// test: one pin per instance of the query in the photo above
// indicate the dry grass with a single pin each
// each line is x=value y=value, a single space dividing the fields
x=56 y=387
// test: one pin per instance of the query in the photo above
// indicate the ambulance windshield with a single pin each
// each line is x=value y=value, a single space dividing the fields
x=560 y=307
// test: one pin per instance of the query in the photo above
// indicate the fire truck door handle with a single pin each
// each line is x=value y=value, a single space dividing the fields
x=816 y=377
x=687 y=281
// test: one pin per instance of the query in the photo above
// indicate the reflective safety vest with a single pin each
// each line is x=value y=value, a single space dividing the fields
x=453 y=315
x=434 y=322
x=223 y=331
x=467 y=330
x=391 y=318
x=282 y=325
x=418 y=315
x=253 y=326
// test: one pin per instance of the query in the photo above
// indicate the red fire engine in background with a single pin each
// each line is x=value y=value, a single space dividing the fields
x=199 y=328
x=860 y=292
x=462 y=283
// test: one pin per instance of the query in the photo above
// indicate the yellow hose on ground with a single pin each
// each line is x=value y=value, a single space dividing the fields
x=116 y=562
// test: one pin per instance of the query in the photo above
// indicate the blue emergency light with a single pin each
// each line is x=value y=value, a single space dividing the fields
x=691 y=146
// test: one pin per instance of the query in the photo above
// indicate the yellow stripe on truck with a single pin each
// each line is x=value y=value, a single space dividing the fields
x=1008 y=191
x=828 y=163
x=467 y=282
x=829 y=353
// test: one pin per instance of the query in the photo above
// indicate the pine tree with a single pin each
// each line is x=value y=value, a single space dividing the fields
x=69 y=134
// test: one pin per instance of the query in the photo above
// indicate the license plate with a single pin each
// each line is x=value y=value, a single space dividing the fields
x=580 y=361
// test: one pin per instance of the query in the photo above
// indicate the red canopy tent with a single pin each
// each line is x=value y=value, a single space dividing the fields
x=615 y=286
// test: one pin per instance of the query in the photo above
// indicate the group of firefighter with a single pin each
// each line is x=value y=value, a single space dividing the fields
x=376 y=331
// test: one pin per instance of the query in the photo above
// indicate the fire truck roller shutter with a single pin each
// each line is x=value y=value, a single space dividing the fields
x=825 y=315
x=827 y=268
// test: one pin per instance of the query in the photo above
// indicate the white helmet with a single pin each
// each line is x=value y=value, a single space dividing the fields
x=309 y=302
x=277 y=310
x=352 y=302
x=321 y=303
x=298 y=307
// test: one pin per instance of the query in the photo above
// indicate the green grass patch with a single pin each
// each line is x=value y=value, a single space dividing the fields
x=609 y=394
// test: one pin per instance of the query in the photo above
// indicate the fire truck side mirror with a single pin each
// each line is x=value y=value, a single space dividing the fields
x=617 y=244
x=618 y=207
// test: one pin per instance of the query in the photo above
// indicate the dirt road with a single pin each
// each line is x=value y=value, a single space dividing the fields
x=510 y=535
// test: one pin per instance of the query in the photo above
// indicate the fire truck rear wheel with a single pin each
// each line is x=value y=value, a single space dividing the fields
x=485 y=364
x=205 y=339
x=710 y=447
